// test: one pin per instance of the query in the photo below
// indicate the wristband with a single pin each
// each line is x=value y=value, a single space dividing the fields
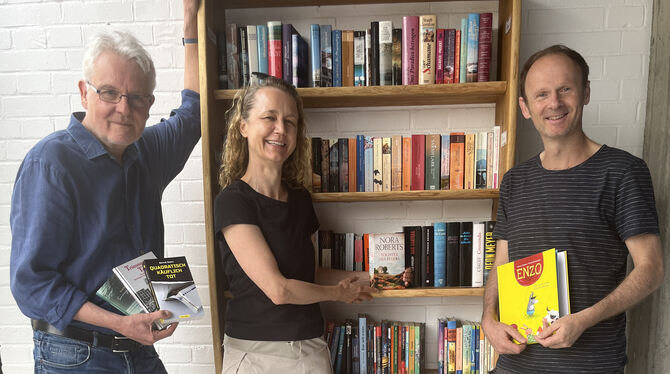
x=185 y=41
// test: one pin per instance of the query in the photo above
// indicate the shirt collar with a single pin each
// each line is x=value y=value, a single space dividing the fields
x=90 y=145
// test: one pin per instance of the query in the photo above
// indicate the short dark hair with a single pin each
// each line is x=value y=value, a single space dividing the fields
x=553 y=50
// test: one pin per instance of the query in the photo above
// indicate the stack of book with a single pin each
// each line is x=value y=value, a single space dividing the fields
x=146 y=284
x=444 y=254
x=418 y=52
x=453 y=161
x=463 y=348
x=369 y=347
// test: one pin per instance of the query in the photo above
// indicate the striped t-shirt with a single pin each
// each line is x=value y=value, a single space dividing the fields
x=588 y=211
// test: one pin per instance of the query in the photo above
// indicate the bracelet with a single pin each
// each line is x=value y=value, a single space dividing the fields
x=185 y=41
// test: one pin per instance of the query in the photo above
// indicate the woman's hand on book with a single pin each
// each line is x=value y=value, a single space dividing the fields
x=350 y=290
x=502 y=336
x=139 y=327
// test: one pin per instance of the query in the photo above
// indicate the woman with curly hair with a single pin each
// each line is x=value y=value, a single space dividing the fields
x=266 y=225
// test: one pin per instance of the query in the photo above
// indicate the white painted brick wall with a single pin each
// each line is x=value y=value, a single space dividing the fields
x=41 y=46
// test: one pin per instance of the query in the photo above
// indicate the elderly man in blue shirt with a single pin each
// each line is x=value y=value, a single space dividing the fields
x=88 y=198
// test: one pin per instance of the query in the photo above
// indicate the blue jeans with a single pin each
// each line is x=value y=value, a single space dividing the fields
x=55 y=354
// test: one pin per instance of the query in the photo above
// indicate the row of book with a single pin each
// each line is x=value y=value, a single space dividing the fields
x=444 y=254
x=369 y=347
x=146 y=284
x=402 y=163
x=417 y=53
x=462 y=348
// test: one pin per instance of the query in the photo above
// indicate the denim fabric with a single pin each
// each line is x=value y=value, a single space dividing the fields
x=55 y=355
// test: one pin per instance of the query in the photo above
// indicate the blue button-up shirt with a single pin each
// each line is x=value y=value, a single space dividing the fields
x=76 y=212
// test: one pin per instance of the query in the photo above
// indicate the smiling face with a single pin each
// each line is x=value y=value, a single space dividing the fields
x=271 y=127
x=116 y=126
x=556 y=97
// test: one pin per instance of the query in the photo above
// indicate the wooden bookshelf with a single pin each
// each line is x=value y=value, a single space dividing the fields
x=214 y=103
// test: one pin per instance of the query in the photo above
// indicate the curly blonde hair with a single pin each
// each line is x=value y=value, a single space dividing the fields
x=235 y=156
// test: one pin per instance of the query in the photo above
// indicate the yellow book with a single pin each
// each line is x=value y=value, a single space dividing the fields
x=532 y=290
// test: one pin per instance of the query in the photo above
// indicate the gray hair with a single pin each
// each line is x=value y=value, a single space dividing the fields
x=123 y=44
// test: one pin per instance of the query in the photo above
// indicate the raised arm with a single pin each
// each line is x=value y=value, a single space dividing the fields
x=191 y=80
x=256 y=259
x=646 y=276
x=499 y=334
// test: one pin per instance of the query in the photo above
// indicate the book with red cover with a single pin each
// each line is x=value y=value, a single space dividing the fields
x=418 y=160
x=439 y=57
x=410 y=50
x=275 y=62
x=406 y=163
x=484 y=47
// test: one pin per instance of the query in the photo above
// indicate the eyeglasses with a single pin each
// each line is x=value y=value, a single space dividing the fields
x=114 y=97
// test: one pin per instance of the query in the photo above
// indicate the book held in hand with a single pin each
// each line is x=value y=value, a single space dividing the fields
x=173 y=288
x=534 y=290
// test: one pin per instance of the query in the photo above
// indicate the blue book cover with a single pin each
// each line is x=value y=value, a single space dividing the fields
x=262 y=35
x=315 y=49
x=360 y=160
x=369 y=167
x=287 y=51
x=473 y=349
x=440 y=253
x=337 y=58
x=478 y=331
x=326 y=55
x=340 y=349
x=363 y=343
x=473 y=46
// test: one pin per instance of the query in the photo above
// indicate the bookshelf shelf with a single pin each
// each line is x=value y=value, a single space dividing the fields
x=429 y=94
x=433 y=292
x=405 y=195
x=215 y=102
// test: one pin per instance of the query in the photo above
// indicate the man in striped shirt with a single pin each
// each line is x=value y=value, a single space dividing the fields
x=591 y=200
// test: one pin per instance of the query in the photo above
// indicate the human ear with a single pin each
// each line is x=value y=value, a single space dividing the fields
x=524 y=108
x=83 y=90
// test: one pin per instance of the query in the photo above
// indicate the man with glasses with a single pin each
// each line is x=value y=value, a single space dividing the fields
x=88 y=198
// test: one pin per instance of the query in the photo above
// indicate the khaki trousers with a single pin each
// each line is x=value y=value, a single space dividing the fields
x=259 y=357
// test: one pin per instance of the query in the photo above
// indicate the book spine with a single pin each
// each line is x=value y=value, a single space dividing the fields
x=275 y=49
x=489 y=159
x=412 y=251
x=315 y=48
x=295 y=59
x=453 y=254
x=464 y=50
x=337 y=58
x=222 y=55
x=374 y=59
x=469 y=162
x=427 y=49
x=360 y=163
x=385 y=53
x=386 y=164
x=244 y=55
x=369 y=164
x=432 y=172
x=444 y=163
x=473 y=41
x=439 y=57
x=440 y=250
x=465 y=266
x=353 y=164
x=362 y=344
x=406 y=163
x=456 y=161
x=427 y=248
x=252 y=48
x=378 y=165
x=233 y=56
x=480 y=159
x=497 y=144
x=396 y=163
x=262 y=36
x=484 y=51
x=418 y=160
x=410 y=50
x=457 y=56
x=396 y=59
x=358 y=253
x=325 y=165
x=343 y=163
x=478 y=239
x=316 y=164
x=334 y=166
x=349 y=251
x=450 y=365
x=449 y=50
x=287 y=31
x=303 y=62
x=359 y=58
x=489 y=249
x=326 y=35
x=347 y=58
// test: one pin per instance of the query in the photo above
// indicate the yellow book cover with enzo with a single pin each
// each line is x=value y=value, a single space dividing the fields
x=532 y=290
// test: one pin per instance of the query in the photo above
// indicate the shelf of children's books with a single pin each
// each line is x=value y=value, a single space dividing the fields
x=433 y=292
x=405 y=195
x=373 y=96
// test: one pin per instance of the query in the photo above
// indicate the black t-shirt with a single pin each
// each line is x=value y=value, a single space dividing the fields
x=589 y=211
x=287 y=228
